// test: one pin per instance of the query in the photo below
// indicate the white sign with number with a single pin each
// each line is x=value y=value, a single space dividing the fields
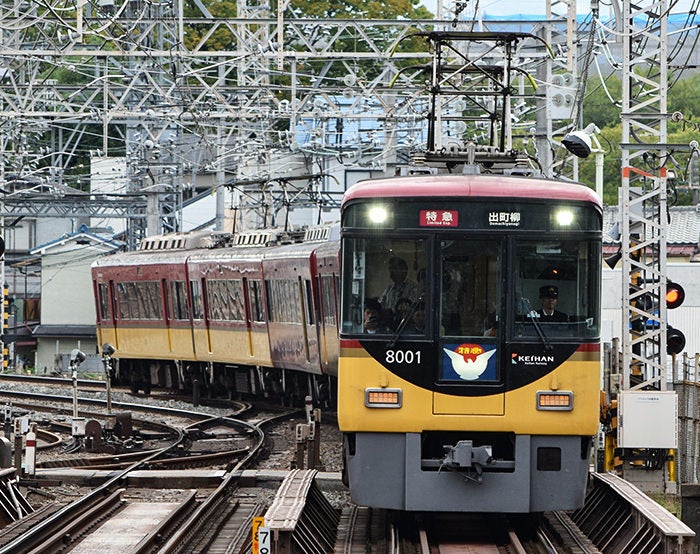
x=264 y=542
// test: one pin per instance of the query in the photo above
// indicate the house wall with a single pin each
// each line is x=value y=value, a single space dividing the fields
x=67 y=299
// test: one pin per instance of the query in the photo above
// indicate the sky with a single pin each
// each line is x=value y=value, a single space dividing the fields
x=536 y=7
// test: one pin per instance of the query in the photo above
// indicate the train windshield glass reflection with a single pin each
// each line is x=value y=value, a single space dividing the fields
x=386 y=284
x=556 y=288
x=554 y=291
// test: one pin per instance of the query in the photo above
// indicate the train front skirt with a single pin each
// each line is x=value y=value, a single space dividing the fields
x=387 y=471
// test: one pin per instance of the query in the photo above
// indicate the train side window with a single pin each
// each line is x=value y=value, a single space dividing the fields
x=217 y=308
x=148 y=296
x=123 y=301
x=269 y=296
x=255 y=299
x=309 y=297
x=178 y=300
x=328 y=304
x=284 y=305
x=196 y=294
x=104 y=303
x=235 y=300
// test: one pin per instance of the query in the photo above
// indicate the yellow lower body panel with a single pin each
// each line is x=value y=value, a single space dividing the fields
x=514 y=411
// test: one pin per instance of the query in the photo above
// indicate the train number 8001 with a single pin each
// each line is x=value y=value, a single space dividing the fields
x=403 y=356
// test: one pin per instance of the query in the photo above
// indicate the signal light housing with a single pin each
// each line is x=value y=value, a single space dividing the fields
x=675 y=295
x=675 y=341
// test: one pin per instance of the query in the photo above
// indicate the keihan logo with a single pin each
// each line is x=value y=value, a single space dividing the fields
x=532 y=359
x=469 y=360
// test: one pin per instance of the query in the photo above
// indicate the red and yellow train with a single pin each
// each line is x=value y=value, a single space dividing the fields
x=460 y=314
x=255 y=313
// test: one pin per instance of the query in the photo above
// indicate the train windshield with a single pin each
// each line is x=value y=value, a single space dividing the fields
x=452 y=288
x=470 y=287
x=556 y=288
x=386 y=288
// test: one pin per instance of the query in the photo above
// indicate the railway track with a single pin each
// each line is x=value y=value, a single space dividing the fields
x=301 y=519
x=104 y=506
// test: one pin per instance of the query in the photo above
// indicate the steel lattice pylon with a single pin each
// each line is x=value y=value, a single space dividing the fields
x=181 y=90
x=643 y=209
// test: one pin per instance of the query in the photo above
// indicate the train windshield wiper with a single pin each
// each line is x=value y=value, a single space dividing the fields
x=404 y=321
x=531 y=314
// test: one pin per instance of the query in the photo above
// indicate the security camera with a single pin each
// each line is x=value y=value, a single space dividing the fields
x=107 y=349
x=77 y=357
x=578 y=143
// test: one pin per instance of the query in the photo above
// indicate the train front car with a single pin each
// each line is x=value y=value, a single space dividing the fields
x=469 y=353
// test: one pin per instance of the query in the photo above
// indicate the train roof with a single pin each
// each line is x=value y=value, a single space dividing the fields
x=487 y=186
x=140 y=257
x=202 y=247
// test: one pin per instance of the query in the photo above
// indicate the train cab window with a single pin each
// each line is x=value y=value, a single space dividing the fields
x=557 y=289
x=470 y=288
x=385 y=277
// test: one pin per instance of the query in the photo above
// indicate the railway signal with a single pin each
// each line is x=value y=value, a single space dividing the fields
x=675 y=295
x=5 y=324
x=675 y=339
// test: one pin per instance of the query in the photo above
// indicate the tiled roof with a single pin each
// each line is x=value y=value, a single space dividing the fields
x=683 y=228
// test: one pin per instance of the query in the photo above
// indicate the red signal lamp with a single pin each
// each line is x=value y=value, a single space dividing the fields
x=675 y=295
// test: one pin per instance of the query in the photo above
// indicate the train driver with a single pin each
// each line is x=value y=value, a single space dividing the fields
x=549 y=297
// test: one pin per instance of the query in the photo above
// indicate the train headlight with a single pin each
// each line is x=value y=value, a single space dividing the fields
x=383 y=398
x=555 y=400
x=564 y=218
x=378 y=214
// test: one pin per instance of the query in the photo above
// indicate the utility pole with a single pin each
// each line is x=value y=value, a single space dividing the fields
x=643 y=214
x=301 y=93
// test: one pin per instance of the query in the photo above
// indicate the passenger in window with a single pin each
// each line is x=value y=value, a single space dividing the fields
x=399 y=287
x=549 y=297
x=418 y=320
x=372 y=317
x=491 y=324
x=452 y=294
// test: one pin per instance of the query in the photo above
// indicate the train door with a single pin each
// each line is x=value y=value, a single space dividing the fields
x=106 y=312
x=200 y=331
x=469 y=289
x=178 y=320
x=167 y=313
x=257 y=322
x=310 y=330
x=328 y=322
x=320 y=324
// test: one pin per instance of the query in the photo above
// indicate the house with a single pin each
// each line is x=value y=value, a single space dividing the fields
x=67 y=319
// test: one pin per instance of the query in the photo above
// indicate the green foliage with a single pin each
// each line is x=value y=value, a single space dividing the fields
x=605 y=113
x=602 y=102
x=373 y=9
x=222 y=38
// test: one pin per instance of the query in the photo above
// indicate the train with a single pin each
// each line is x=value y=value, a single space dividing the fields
x=454 y=320
x=250 y=314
